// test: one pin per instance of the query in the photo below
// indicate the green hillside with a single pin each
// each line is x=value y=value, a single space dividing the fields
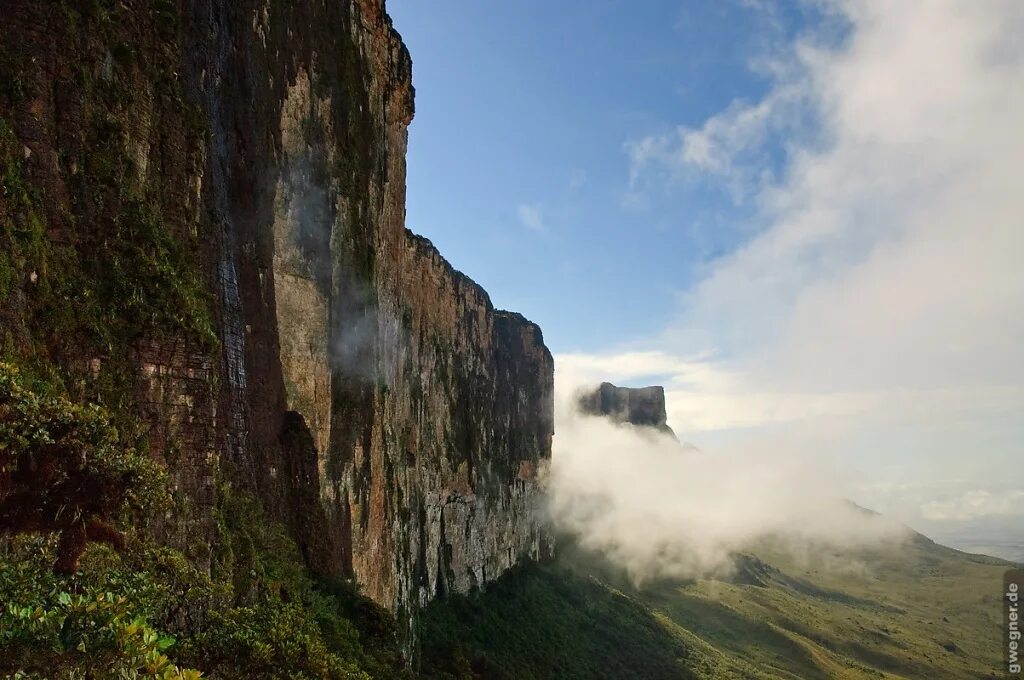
x=912 y=610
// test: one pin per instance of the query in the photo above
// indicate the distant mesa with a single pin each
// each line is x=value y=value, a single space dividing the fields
x=641 y=406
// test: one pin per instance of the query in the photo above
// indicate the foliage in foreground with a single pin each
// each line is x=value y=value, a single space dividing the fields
x=76 y=609
x=65 y=468
x=151 y=613
x=91 y=624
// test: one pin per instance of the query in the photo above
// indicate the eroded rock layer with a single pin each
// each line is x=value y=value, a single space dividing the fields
x=220 y=184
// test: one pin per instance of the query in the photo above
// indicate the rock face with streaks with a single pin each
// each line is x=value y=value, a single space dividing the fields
x=641 y=406
x=219 y=186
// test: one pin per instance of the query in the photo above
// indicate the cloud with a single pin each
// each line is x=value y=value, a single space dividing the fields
x=889 y=263
x=660 y=509
x=890 y=255
x=878 y=310
x=976 y=503
x=727 y=147
x=530 y=216
x=704 y=394
x=636 y=364
x=713 y=147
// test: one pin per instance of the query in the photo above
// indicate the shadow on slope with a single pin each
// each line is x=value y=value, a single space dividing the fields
x=547 y=621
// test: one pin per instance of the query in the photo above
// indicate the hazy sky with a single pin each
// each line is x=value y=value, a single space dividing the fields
x=805 y=219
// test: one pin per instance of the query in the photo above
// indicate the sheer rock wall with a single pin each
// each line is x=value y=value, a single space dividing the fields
x=369 y=394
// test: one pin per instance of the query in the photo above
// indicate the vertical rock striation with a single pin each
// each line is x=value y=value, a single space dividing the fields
x=368 y=393
x=642 y=406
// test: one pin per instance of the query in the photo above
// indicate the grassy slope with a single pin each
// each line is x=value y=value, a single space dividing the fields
x=541 y=621
x=909 y=611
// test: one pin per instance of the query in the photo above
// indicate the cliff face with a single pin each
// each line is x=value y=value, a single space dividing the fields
x=203 y=212
x=642 y=406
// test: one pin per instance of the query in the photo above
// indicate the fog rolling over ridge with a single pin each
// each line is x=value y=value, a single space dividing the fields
x=661 y=509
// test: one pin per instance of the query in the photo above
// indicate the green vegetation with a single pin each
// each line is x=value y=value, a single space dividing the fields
x=908 y=610
x=914 y=609
x=100 y=256
x=546 y=621
x=65 y=475
x=150 y=612
x=126 y=607
x=282 y=617
x=127 y=278
x=93 y=260
x=66 y=470
x=79 y=626
x=69 y=608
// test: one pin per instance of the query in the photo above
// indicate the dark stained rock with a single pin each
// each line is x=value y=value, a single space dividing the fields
x=642 y=406
x=302 y=343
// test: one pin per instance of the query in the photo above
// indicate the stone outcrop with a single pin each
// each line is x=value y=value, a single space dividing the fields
x=369 y=394
x=641 y=406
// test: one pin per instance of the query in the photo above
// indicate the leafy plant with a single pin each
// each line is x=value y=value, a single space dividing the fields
x=272 y=639
x=284 y=613
x=65 y=468
x=71 y=626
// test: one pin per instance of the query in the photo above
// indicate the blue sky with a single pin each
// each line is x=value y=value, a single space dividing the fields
x=518 y=166
x=803 y=218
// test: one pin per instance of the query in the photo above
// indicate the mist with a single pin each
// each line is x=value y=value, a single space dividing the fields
x=871 y=312
x=658 y=508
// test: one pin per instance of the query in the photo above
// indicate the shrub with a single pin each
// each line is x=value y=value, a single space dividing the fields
x=271 y=639
x=55 y=625
x=64 y=468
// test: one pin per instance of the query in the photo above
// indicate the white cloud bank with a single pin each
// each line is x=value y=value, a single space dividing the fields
x=659 y=509
x=892 y=253
x=879 y=311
